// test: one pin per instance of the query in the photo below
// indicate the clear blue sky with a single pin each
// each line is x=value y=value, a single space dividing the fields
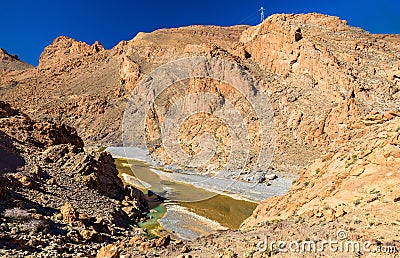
x=27 y=26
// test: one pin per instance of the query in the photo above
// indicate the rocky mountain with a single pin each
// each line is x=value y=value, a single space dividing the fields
x=348 y=195
x=334 y=91
x=50 y=185
x=319 y=74
x=360 y=172
x=10 y=62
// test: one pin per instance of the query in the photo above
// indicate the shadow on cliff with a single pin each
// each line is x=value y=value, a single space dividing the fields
x=10 y=156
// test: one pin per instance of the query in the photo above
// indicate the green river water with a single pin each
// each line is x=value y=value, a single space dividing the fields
x=225 y=210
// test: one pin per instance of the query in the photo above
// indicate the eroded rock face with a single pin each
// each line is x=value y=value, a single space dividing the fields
x=332 y=73
x=95 y=170
x=45 y=170
x=37 y=133
x=330 y=86
x=129 y=73
x=360 y=172
x=319 y=73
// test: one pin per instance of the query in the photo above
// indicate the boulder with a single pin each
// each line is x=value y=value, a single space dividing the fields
x=108 y=251
x=163 y=241
x=68 y=212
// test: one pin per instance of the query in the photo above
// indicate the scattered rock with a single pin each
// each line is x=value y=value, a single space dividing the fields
x=357 y=171
x=185 y=249
x=310 y=213
x=149 y=244
x=37 y=172
x=163 y=241
x=132 y=211
x=184 y=256
x=329 y=214
x=340 y=212
x=259 y=177
x=371 y=199
x=108 y=251
x=271 y=176
x=137 y=240
x=90 y=235
x=229 y=254
x=24 y=180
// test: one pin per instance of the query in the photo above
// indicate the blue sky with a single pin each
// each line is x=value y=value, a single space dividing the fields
x=26 y=27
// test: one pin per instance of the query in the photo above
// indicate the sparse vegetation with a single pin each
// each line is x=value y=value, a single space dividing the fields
x=16 y=213
x=357 y=221
x=150 y=236
x=375 y=192
x=300 y=220
x=317 y=171
x=250 y=253
x=353 y=160
x=357 y=202
x=275 y=221
x=267 y=252
x=34 y=225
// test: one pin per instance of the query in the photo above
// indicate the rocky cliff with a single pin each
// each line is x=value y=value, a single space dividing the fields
x=334 y=91
x=53 y=193
x=319 y=74
x=359 y=172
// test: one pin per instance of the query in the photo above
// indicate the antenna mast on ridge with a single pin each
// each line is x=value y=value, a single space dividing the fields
x=262 y=18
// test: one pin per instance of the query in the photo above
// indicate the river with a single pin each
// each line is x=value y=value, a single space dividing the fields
x=194 y=205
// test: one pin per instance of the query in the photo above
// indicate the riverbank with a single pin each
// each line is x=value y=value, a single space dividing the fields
x=191 y=211
x=248 y=191
x=199 y=218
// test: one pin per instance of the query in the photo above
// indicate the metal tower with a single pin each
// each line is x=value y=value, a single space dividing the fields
x=262 y=14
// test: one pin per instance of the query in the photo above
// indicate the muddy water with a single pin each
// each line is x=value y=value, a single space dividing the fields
x=225 y=210
x=178 y=213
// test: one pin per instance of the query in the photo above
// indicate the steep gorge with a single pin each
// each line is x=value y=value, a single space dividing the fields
x=334 y=90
